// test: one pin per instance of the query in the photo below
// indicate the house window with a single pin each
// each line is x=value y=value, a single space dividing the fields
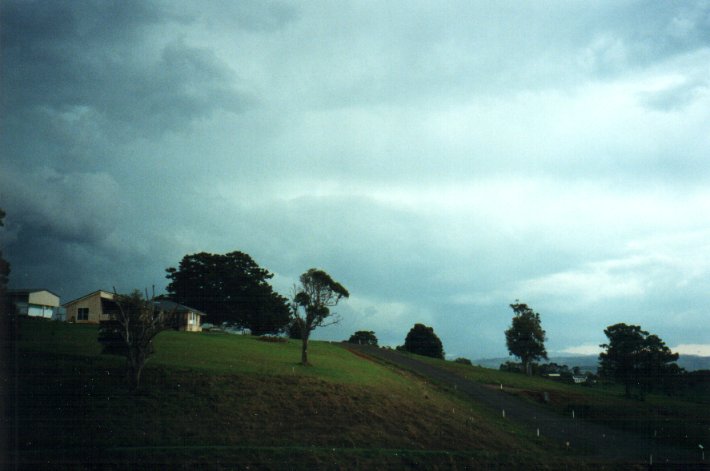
x=191 y=318
x=82 y=314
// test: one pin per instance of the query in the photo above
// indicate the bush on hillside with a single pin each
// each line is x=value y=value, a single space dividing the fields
x=423 y=341
x=363 y=337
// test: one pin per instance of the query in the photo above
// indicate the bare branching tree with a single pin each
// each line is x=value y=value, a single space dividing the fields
x=138 y=320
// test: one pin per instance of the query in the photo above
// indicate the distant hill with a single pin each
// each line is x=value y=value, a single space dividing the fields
x=694 y=362
x=590 y=362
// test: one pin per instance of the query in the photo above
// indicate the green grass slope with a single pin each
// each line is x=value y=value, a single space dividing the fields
x=222 y=402
x=678 y=420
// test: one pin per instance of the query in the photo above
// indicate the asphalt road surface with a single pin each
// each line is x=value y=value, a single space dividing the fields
x=593 y=440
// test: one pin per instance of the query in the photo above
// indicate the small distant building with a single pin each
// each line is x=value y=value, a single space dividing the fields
x=187 y=318
x=100 y=306
x=579 y=379
x=36 y=303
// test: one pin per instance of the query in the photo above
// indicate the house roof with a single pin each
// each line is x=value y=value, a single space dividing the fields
x=162 y=303
x=170 y=305
x=87 y=295
x=30 y=290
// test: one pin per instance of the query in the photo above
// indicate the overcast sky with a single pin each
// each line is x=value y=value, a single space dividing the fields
x=439 y=159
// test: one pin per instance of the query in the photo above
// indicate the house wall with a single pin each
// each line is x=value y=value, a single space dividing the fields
x=92 y=302
x=40 y=311
x=43 y=298
x=184 y=324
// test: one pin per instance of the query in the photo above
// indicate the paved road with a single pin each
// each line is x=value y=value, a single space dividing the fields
x=594 y=440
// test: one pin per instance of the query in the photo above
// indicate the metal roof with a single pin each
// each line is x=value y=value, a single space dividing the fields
x=30 y=290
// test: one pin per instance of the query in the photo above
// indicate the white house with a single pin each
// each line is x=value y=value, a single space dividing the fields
x=36 y=303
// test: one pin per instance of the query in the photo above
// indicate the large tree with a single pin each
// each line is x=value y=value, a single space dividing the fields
x=229 y=288
x=311 y=303
x=635 y=358
x=525 y=337
x=422 y=340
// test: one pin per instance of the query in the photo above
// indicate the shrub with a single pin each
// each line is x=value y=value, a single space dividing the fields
x=363 y=337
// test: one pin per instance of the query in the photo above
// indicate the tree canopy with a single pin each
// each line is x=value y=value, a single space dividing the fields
x=423 y=341
x=229 y=288
x=634 y=357
x=311 y=303
x=363 y=337
x=525 y=338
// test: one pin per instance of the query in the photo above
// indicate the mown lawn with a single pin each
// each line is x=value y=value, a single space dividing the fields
x=221 y=401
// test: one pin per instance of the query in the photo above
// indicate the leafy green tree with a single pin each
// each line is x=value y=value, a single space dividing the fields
x=229 y=288
x=423 y=341
x=525 y=337
x=363 y=337
x=311 y=303
x=634 y=358
x=138 y=320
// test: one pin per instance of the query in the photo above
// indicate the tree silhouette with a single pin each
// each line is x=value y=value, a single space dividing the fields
x=363 y=337
x=525 y=338
x=229 y=288
x=311 y=303
x=635 y=358
x=138 y=320
x=423 y=341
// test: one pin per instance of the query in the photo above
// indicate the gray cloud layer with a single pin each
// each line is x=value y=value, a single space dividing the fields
x=439 y=160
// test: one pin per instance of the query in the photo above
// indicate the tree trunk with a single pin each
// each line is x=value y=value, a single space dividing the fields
x=304 y=346
x=135 y=368
x=528 y=367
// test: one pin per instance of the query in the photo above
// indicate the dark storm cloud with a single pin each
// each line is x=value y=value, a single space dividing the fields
x=106 y=59
x=79 y=79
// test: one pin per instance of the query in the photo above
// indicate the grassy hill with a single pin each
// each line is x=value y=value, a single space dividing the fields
x=224 y=401
x=680 y=420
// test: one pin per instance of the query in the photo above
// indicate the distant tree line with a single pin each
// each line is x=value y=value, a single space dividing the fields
x=632 y=357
